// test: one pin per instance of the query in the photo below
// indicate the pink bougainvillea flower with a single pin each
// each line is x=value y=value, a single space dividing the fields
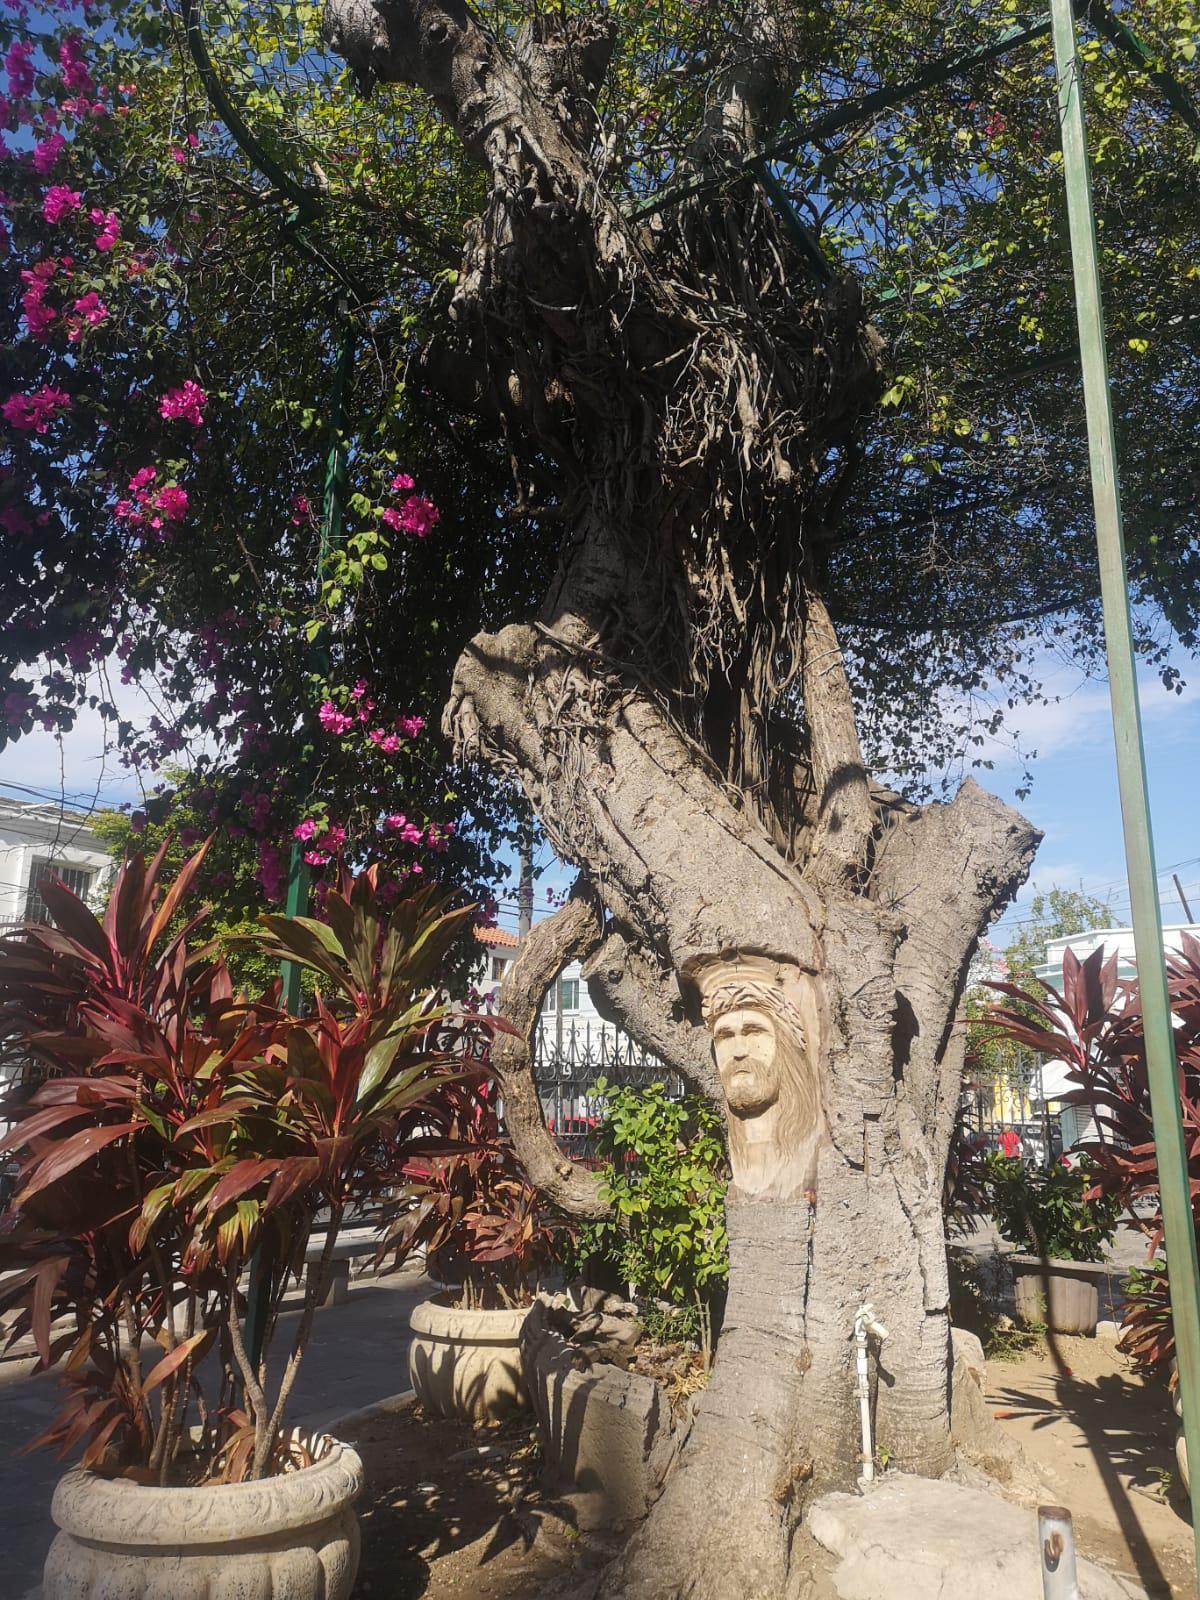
x=38 y=317
x=33 y=413
x=333 y=720
x=172 y=502
x=58 y=201
x=402 y=481
x=178 y=155
x=316 y=858
x=395 y=822
x=410 y=727
x=359 y=689
x=20 y=69
x=392 y=518
x=142 y=477
x=300 y=509
x=75 y=73
x=305 y=829
x=46 y=153
x=90 y=312
x=419 y=516
x=187 y=402
x=110 y=228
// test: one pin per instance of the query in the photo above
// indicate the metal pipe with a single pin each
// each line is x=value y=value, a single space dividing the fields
x=1056 y=1554
x=258 y=1294
x=1171 y=1152
x=866 y=1323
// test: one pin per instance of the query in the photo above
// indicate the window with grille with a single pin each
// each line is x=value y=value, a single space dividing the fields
x=499 y=966
x=563 y=995
x=78 y=879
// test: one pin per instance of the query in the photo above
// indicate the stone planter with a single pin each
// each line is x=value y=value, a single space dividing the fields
x=607 y=1435
x=467 y=1363
x=291 y=1537
x=1063 y=1295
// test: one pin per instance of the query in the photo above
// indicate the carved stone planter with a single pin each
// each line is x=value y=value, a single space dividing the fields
x=1064 y=1295
x=467 y=1363
x=607 y=1435
x=291 y=1537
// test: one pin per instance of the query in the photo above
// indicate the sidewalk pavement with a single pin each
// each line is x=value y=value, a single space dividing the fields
x=357 y=1355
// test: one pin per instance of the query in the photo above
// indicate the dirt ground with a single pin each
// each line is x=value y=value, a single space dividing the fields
x=454 y=1514
x=451 y=1512
x=1104 y=1440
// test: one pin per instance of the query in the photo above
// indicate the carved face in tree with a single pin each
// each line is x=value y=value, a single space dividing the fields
x=765 y=1029
x=746 y=1047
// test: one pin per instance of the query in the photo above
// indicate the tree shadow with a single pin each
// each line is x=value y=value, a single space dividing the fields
x=436 y=1487
x=1124 y=1435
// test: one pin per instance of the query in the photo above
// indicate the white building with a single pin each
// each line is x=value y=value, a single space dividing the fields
x=1076 y=1121
x=37 y=841
x=574 y=1044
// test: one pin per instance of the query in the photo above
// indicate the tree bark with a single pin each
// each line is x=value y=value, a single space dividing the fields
x=701 y=397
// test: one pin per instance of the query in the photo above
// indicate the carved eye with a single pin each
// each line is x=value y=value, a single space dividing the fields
x=437 y=32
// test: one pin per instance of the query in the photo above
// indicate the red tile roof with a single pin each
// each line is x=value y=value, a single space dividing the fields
x=498 y=936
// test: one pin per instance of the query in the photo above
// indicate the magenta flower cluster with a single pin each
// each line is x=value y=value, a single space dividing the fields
x=46 y=153
x=20 y=69
x=416 y=514
x=110 y=228
x=38 y=315
x=185 y=403
x=147 y=506
x=33 y=413
x=59 y=201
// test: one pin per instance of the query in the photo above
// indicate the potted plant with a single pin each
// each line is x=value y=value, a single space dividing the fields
x=1057 y=1212
x=491 y=1239
x=182 y=1131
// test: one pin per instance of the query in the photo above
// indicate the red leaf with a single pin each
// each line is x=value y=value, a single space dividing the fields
x=72 y=1153
x=174 y=1359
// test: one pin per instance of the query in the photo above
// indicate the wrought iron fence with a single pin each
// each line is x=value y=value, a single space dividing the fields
x=568 y=1061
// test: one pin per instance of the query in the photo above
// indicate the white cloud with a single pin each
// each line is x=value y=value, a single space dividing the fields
x=1079 y=715
x=82 y=764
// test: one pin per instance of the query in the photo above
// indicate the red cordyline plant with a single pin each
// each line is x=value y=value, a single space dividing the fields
x=1096 y=1028
x=184 y=1128
x=486 y=1230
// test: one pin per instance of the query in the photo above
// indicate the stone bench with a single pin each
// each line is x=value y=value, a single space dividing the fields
x=335 y=1289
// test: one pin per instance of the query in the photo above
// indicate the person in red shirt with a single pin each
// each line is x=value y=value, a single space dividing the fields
x=1010 y=1144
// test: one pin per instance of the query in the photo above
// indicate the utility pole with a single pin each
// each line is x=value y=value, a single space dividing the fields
x=525 y=887
x=1170 y=1149
x=262 y=1271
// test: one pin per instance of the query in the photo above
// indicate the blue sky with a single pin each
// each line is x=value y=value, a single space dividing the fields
x=1074 y=798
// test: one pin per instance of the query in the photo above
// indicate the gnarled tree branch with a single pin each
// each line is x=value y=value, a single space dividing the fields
x=635 y=993
x=571 y=933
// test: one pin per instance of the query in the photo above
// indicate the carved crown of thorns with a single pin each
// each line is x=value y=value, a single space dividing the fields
x=747 y=985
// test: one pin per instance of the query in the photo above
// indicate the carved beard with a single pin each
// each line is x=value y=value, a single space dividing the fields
x=791 y=1156
x=752 y=1091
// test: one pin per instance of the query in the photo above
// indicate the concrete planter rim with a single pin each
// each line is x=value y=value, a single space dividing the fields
x=1058 y=1268
x=435 y=1319
x=114 y=1511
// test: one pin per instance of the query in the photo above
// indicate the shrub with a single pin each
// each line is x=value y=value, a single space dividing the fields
x=187 y=1128
x=1095 y=1026
x=1056 y=1212
x=485 y=1228
x=665 y=1173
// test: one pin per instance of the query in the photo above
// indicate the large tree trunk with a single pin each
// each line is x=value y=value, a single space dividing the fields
x=701 y=393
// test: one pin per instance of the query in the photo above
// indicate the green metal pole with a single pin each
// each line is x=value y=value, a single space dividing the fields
x=1131 y=761
x=258 y=1295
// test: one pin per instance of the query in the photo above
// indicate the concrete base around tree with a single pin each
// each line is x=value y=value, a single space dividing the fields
x=941 y=1541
